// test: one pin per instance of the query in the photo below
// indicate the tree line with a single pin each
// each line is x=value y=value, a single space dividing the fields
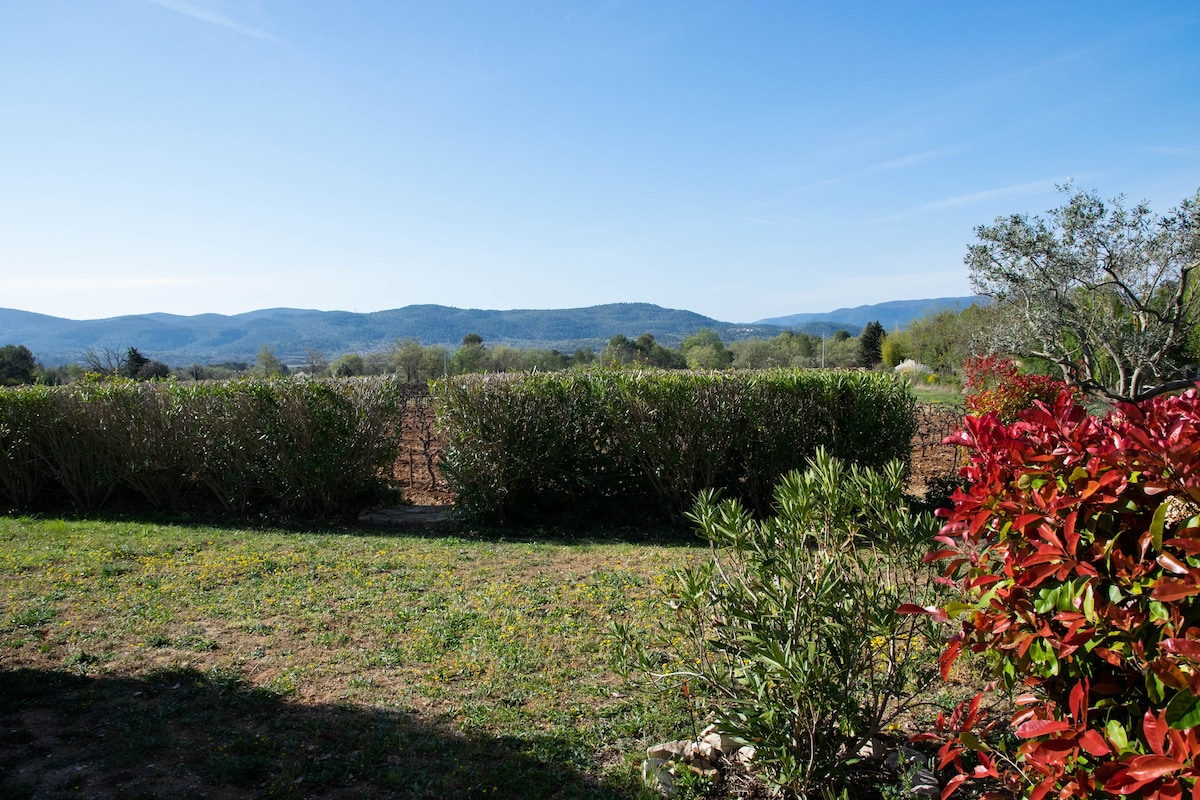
x=1102 y=296
x=416 y=362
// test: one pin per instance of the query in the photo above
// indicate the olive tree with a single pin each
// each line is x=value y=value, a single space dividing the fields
x=17 y=365
x=1107 y=294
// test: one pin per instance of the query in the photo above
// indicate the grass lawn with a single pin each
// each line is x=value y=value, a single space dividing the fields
x=940 y=394
x=144 y=660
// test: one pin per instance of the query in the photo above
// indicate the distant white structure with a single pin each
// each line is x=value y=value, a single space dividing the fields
x=912 y=369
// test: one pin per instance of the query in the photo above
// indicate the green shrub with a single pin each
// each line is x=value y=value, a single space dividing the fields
x=290 y=446
x=631 y=443
x=23 y=475
x=791 y=631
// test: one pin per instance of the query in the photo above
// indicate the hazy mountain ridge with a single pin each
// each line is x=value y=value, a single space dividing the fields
x=894 y=313
x=216 y=338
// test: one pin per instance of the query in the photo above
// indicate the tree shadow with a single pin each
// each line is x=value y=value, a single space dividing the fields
x=183 y=733
x=576 y=529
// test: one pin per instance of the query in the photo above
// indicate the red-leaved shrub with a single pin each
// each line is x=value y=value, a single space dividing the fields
x=993 y=383
x=1076 y=549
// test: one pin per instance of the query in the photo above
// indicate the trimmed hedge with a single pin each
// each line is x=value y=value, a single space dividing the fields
x=625 y=444
x=293 y=447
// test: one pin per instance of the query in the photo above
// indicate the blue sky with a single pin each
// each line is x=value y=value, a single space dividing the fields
x=739 y=159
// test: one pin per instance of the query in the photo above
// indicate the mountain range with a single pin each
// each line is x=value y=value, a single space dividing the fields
x=291 y=333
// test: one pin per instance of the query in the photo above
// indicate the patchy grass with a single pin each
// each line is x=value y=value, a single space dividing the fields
x=941 y=394
x=145 y=660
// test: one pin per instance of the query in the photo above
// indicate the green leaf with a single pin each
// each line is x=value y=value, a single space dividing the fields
x=1155 y=688
x=971 y=742
x=1156 y=526
x=1046 y=600
x=1183 y=712
x=1116 y=734
x=1089 y=603
x=954 y=607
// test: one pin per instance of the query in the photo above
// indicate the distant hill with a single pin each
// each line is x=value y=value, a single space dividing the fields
x=896 y=313
x=290 y=332
x=217 y=338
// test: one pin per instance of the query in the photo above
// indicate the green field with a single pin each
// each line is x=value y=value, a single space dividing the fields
x=141 y=660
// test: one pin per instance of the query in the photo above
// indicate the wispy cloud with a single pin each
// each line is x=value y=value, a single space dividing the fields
x=205 y=15
x=884 y=166
x=1032 y=188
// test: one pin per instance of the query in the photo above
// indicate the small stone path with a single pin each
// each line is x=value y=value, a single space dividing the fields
x=419 y=517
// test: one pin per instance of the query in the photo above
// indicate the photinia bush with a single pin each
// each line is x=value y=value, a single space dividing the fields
x=993 y=383
x=1075 y=548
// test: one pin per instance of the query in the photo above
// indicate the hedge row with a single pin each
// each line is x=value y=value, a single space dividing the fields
x=632 y=444
x=291 y=447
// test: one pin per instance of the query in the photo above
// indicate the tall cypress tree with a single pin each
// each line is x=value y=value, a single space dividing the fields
x=870 y=345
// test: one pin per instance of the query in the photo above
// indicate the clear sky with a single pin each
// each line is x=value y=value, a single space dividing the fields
x=742 y=159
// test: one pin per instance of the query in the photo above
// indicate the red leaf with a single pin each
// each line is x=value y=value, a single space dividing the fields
x=1079 y=701
x=1169 y=590
x=1183 y=647
x=1122 y=783
x=1041 y=727
x=1148 y=768
x=1020 y=522
x=1189 y=546
x=1033 y=577
x=952 y=785
x=1094 y=743
x=1051 y=751
x=938 y=614
x=1172 y=564
x=985 y=767
x=1042 y=789
x=1155 y=729
x=983 y=580
x=949 y=656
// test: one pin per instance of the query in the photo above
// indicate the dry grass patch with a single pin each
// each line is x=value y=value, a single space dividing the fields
x=247 y=663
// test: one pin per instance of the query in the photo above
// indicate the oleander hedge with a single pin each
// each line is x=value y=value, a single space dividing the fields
x=292 y=447
x=640 y=445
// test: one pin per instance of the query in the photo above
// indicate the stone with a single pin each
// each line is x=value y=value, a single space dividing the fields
x=925 y=783
x=656 y=773
x=720 y=742
x=903 y=756
x=745 y=754
x=666 y=751
x=412 y=517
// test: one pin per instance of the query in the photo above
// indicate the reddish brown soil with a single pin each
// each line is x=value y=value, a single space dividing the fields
x=930 y=458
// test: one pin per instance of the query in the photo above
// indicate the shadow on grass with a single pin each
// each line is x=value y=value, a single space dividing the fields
x=183 y=733
x=559 y=529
